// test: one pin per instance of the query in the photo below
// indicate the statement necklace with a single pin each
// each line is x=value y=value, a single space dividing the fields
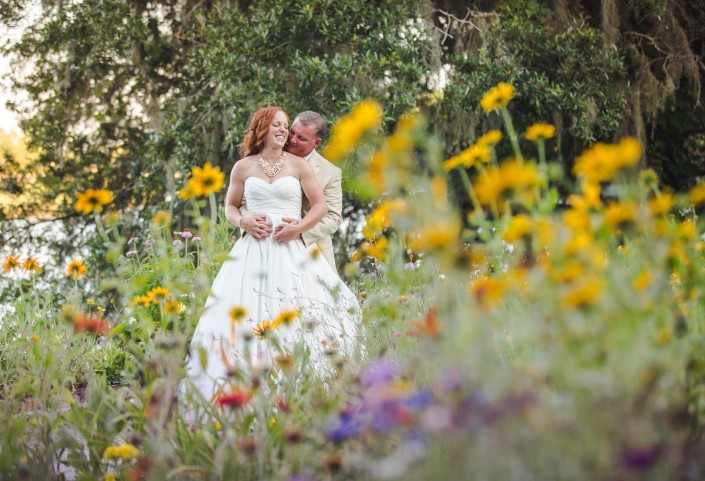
x=271 y=170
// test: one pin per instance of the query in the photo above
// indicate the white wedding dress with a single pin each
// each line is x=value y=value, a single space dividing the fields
x=266 y=278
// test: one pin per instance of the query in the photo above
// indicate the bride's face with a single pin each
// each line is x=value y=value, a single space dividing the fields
x=278 y=131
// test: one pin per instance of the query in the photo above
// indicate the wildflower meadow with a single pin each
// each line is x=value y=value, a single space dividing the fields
x=551 y=329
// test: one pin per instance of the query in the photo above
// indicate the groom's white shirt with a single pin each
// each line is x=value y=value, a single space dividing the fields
x=330 y=178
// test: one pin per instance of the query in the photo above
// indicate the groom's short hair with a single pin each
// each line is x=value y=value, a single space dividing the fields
x=313 y=118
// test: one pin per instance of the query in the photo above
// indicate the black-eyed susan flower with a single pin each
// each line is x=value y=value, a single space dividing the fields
x=161 y=218
x=619 y=215
x=696 y=195
x=93 y=200
x=439 y=235
x=487 y=290
x=206 y=180
x=286 y=317
x=377 y=248
x=490 y=138
x=237 y=314
x=498 y=97
x=602 y=161
x=381 y=218
x=540 y=131
x=144 y=301
x=174 y=307
x=661 y=204
x=158 y=294
x=76 y=269
x=585 y=294
x=125 y=452
x=365 y=116
x=11 y=263
x=473 y=155
x=642 y=281
x=377 y=164
x=511 y=180
x=519 y=227
x=263 y=329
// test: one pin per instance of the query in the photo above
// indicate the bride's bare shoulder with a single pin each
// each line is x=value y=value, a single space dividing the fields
x=295 y=159
x=243 y=166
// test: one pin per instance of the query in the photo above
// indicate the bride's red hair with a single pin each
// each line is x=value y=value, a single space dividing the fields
x=256 y=133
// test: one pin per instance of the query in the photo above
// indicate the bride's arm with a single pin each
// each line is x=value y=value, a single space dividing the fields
x=319 y=208
x=256 y=225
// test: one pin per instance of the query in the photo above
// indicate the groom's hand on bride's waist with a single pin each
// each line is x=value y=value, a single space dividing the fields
x=258 y=226
x=287 y=231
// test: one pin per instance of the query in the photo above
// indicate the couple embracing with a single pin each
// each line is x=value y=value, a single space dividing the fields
x=274 y=293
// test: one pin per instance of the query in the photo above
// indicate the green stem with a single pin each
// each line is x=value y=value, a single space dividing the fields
x=512 y=133
x=542 y=151
x=214 y=214
x=100 y=228
x=471 y=192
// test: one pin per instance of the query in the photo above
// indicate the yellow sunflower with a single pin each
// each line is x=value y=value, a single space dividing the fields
x=76 y=269
x=11 y=263
x=263 y=329
x=237 y=314
x=93 y=200
x=31 y=265
x=498 y=97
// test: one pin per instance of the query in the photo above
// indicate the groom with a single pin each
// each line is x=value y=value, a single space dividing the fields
x=305 y=135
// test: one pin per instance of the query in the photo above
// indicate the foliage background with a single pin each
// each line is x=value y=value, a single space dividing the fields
x=129 y=95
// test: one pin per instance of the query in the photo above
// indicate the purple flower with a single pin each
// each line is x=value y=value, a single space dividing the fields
x=131 y=252
x=410 y=266
x=347 y=425
x=196 y=238
x=176 y=242
x=302 y=477
x=642 y=457
x=418 y=400
x=451 y=380
x=148 y=241
x=131 y=240
x=380 y=371
x=186 y=234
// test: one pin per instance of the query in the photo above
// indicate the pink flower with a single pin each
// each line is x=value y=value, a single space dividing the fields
x=186 y=234
x=176 y=242
x=132 y=240
x=131 y=252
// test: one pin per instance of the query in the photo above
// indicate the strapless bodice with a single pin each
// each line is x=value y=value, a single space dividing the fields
x=281 y=198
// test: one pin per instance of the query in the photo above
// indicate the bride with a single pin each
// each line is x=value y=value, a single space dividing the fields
x=270 y=296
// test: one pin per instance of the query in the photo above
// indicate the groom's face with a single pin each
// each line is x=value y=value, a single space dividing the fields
x=302 y=139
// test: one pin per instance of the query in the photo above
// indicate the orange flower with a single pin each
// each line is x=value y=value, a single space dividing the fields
x=31 y=264
x=234 y=399
x=286 y=317
x=11 y=263
x=429 y=325
x=76 y=269
x=263 y=329
x=90 y=323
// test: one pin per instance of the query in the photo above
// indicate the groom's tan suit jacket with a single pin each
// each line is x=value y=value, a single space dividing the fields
x=330 y=178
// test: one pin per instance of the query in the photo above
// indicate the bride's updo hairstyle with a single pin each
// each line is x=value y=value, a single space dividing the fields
x=259 y=126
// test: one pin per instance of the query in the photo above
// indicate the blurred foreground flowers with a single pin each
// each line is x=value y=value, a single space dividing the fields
x=551 y=329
